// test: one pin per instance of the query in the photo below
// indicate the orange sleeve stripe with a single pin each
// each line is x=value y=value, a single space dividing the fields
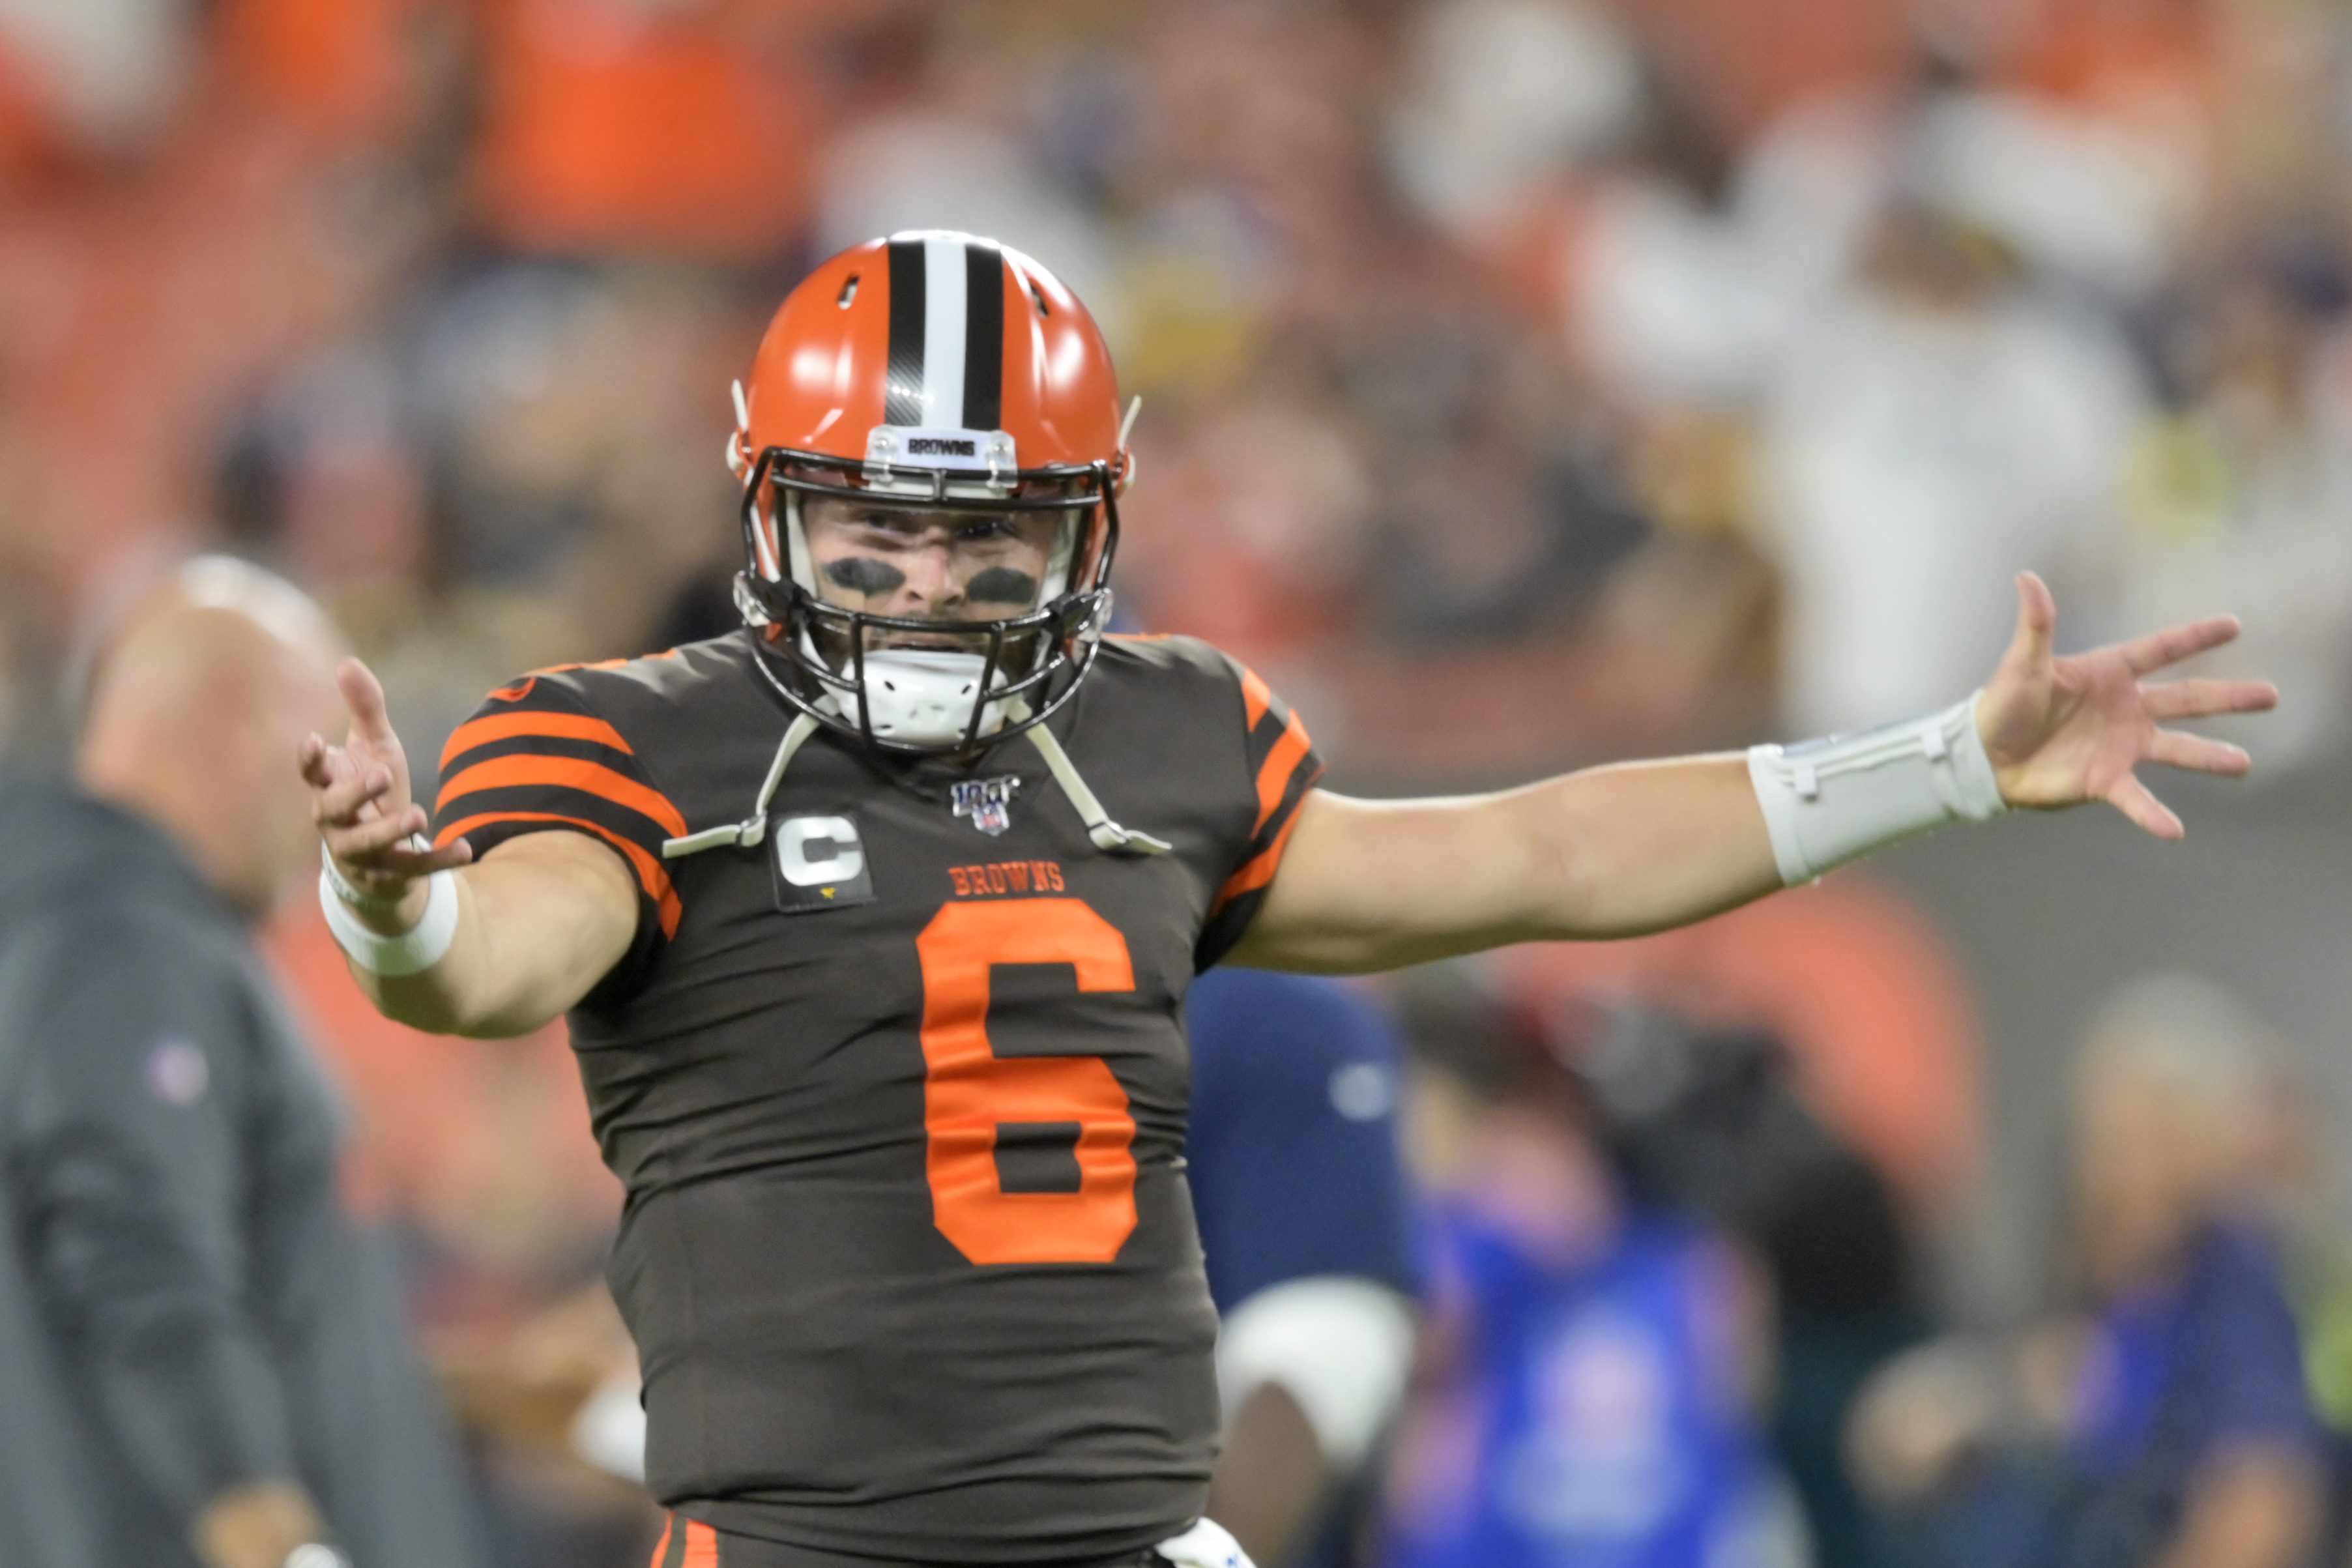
x=1255 y=699
x=701 y=1546
x=651 y=874
x=1274 y=778
x=504 y=726
x=1260 y=868
x=564 y=772
x=522 y=688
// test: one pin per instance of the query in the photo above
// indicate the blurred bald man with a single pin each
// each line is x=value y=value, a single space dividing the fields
x=203 y=1362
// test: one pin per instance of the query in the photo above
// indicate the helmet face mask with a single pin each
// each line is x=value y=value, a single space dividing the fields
x=915 y=586
x=931 y=619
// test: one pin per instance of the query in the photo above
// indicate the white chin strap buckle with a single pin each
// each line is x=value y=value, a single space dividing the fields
x=924 y=697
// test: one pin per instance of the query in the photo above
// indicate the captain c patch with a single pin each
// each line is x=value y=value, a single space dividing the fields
x=819 y=863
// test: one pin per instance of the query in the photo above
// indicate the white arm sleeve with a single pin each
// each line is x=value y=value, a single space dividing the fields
x=1829 y=802
x=1338 y=1345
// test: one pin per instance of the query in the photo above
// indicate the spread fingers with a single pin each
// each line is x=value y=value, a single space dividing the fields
x=372 y=843
x=352 y=788
x=424 y=862
x=2178 y=749
x=2174 y=644
x=2197 y=698
x=2132 y=798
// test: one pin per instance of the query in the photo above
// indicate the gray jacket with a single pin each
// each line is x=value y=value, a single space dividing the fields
x=185 y=1305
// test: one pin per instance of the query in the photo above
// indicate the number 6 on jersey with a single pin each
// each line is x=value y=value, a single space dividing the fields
x=969 y=1090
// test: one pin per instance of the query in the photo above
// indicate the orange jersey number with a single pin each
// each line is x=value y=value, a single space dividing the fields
x=969 y=1090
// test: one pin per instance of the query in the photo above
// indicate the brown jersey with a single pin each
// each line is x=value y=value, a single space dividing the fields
x=898 y=1094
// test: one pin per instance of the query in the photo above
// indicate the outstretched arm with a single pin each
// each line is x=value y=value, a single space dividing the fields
x=1623 y=850
x=540 y=920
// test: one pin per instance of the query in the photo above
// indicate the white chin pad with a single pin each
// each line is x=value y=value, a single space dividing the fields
x=924 y=697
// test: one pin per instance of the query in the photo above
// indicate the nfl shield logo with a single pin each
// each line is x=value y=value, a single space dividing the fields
x=988 y=801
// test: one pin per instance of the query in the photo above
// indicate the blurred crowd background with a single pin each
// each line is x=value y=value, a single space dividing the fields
x=1525 y=383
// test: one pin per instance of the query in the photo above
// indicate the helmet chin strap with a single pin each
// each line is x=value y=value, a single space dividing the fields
x=750 y=832
x=1106 y=835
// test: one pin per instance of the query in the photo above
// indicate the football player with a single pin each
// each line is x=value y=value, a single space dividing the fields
x=874 y=921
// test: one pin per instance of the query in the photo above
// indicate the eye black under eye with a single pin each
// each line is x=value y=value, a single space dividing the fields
x=864 y=574
x=1001 y=585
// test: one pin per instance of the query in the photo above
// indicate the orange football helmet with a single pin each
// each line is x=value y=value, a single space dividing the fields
x=945 y=375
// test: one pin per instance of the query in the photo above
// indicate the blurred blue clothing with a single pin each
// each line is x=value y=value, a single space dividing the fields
x=2208 y=1358
x=1293 y=1157
x=1593 y=1416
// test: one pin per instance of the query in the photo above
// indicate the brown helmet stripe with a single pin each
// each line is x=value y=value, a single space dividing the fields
x=983 y=354
x=903 y=402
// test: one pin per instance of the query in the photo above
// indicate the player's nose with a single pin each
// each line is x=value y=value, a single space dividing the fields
x=930 y=575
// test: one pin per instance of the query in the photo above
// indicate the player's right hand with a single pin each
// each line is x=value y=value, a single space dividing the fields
x=360 y=796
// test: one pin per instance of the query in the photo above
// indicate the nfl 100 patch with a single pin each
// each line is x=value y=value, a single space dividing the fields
x=819 y=861
x=988 y=801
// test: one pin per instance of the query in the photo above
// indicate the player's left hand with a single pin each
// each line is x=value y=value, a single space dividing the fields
x=2062 y=730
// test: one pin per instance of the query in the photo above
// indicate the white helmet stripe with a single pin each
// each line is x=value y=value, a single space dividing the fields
x=946 y=281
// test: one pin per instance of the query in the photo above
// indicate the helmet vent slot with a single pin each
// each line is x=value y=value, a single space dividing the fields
x=848 y=292
x=1039 y=295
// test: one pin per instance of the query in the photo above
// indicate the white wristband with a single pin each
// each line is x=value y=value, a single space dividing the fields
x=418 y=948
x=1829 y=802
x=367 y=904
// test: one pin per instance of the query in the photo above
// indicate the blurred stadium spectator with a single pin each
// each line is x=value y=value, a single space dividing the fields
x=1821 y=1054
x=2169 y=1421
x=1627 y=298
x=1876 y=1053
x=478 y=1159
x=205 y=1358
x=1293 y=1162
x=1710 y=1124
x=1593 y=1379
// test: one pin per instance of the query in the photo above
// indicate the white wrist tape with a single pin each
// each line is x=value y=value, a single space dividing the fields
x=1829 y=802
x=367 y=904
x=418 y=948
